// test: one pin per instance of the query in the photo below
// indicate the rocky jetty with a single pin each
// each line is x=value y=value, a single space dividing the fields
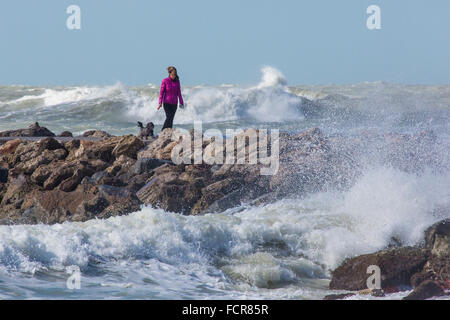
x=96 y=175
x=51 y=181
x=425 y=268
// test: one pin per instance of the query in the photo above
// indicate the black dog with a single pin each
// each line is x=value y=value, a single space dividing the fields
x=147 y=131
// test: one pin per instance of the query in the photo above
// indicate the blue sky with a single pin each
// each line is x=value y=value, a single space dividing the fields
x=226 y=41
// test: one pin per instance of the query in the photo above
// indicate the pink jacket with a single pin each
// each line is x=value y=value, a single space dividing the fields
x=170 y=92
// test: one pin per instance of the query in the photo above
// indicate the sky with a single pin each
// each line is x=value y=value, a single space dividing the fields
x=223 y=41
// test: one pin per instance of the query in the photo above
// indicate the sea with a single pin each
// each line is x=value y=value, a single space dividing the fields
x=282 y=250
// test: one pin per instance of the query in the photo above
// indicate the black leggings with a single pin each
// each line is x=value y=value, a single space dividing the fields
x=170 y=110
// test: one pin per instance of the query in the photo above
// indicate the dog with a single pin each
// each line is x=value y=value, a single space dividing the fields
x=147 y=131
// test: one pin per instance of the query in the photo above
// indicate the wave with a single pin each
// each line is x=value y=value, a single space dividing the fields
x=269 y=101
x=278 y=246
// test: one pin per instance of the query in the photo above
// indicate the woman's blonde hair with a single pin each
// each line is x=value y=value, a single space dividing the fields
x=172 y=68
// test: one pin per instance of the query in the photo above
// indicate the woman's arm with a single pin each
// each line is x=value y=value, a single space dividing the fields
x=179 y=94
x=162 y=92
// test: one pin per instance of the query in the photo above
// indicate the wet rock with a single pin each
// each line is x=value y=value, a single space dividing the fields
x=72 y=145
x=55 y=206
x=136 y=182
x=65 y=134
x=72 y=182
x=426 y=290
x=161 y=148
x=143 y=165
x=115 y=175
x=31 y=161
x=397 y=267
x=89 y=209
x=96 y=134
x=41 y=174
x=35 y=130
x=10 y=146
x=212 y=193
x=16 y=189
x=61 y=173
x=165 y=190
x=28 y=156
x=128 y=146
x=94 y=150
x=121 y=165
x=437 y=238
x=49 y=144
x=437 y=268
x=121 y=201
x=12 y=200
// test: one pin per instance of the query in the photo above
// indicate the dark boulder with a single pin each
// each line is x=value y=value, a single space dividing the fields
x=35 y=130
x=396 y=265
x=65 y=134
x=426 y=290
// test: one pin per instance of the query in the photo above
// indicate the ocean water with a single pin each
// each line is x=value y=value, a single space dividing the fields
x=283 y=250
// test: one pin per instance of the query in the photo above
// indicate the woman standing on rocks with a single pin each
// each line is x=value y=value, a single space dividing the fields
x=169 y=95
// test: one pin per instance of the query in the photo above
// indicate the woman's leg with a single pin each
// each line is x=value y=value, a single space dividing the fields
x=170 y=110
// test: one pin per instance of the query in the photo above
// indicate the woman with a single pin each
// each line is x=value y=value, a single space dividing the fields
x=169 y=95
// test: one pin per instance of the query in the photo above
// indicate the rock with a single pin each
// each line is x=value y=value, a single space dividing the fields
x=420 y=277
x=14 y=192
x=28 y=156
x=72 y=182
x=66 y=175
x=437 y=268
x=115 y=175
x=35 y=130
x=128 y=146
x=104 y=177
x=426 y=290
x=220 y=204
x=96 y=134
x=143 y=165
x=340 y=296
x=60 y=172
x=437 y=238
x=121 y=165
x=41 y=174
x=94 y=150
x=65 y=134
x=3 y=175
x=72 y=145
x=161 y=148
x=89 y=209
x=212 y=193
x=136 y=182
x=397 y=266
x=165 y=190
x=31 y=162
x=49 y=144
x=121 y=201
x=87 y=201
x=10 y=146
